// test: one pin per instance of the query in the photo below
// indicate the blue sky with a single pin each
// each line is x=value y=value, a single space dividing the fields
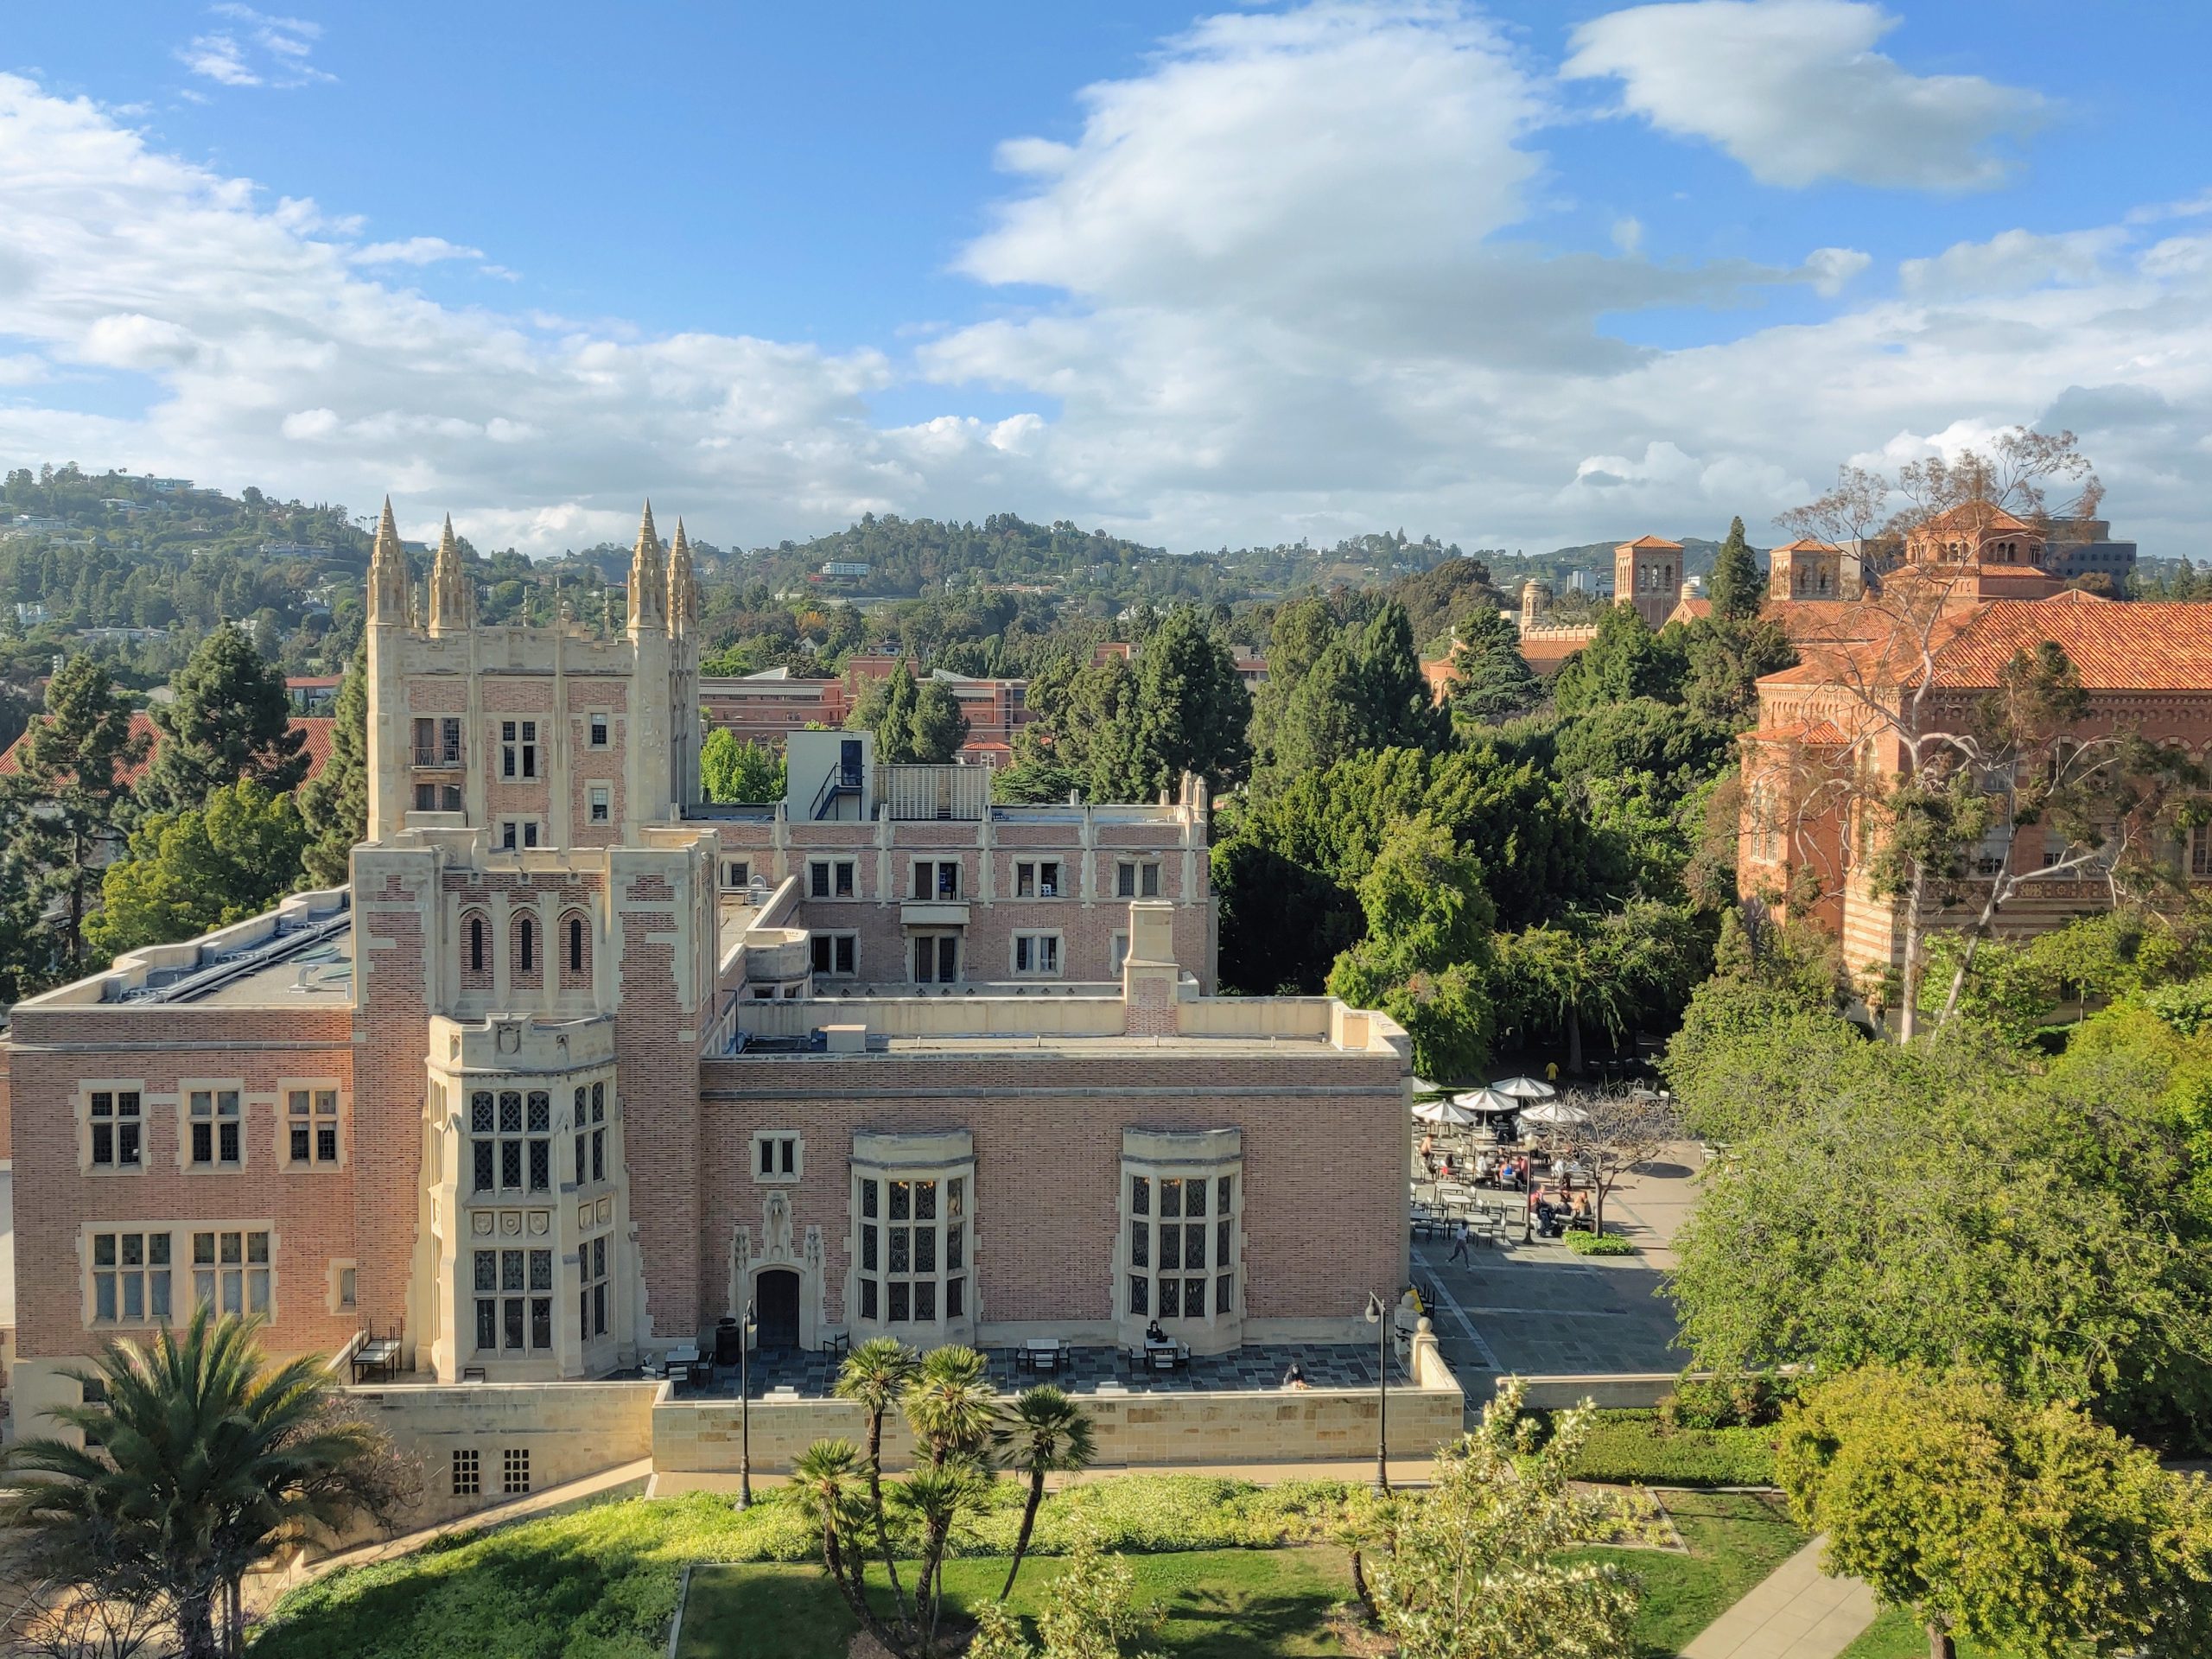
x=1521 y=275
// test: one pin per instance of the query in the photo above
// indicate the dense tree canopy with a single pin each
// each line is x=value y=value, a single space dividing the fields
x=230 y=719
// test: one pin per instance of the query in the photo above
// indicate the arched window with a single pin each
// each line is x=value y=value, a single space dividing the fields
x=526 y=946
x=475 y=950
x=575 y=944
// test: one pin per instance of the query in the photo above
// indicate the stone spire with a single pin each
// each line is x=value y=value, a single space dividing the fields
x=683 y=586
x=388 y=599
x=648 y=578
x=453 y=596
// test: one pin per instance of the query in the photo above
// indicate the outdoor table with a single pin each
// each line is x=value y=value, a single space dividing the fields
x=685 y=1359
x=380 y=1356
x=1041 y=1354
x=1166 y=1356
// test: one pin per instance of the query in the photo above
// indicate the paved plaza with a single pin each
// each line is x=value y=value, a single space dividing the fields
x=1540 y=1310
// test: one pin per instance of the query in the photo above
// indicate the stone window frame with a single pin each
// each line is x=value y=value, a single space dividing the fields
x=599 y=802
x=1117 y=952
x=789 y=1157
x=1157 y=1155
x=832 y=938
x=827 y=872
x=574 y=928
x=524 y=835
x=177 y=1268
x=187 y=1294
x=286 y=1088
x=591 y=1117
x=1138 y=864
x=1034 y=938
x=334 y=1288
x=1029 y=878
x=86 y=1088
x=743 y=867
x=214 y=1088
x=525 y=1310
x=598 y=728
x=934 y=882
x=939 y=1157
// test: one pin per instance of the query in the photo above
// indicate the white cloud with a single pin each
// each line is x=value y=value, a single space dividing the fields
x=2013 y=262
x=264 y=51
x=1794 y=90
x=1830 y=270
x=415 y=251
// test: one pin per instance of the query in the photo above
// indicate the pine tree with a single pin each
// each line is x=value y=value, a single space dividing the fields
x=1735 y=587
x=231 y=719
x=65 y=803
x=1192 y=708
x=1491 y=681
x=335 y=803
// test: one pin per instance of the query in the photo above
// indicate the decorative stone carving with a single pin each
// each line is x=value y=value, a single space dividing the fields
x=776 y=1228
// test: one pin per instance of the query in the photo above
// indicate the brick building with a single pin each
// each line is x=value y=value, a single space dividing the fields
x=767 y=707
x=576 y=1066
x=1829 y=731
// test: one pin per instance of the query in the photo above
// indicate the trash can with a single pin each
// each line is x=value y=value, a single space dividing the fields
x=729 y=1343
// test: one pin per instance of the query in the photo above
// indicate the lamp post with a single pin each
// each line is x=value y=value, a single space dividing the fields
x=1378 y=1314
x=745 y=1409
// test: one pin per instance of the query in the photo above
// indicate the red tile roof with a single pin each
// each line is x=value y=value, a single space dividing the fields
x=2115 y=645
x=316 y=729
x=1660 y=541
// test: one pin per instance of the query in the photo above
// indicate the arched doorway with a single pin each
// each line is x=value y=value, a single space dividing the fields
x=775 y=1304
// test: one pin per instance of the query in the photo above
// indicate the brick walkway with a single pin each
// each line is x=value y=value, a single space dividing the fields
x=1796 y=1612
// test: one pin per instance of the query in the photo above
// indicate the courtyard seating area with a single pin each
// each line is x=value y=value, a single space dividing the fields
x=793 y=1373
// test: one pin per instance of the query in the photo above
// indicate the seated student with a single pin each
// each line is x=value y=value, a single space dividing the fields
x=1296 y=1377
x=1551 y=1221
x=1153 y=1333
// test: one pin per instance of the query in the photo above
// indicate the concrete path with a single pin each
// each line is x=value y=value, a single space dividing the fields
x=1796 y=1612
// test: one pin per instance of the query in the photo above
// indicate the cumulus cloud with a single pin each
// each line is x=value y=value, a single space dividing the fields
x=1235 y=339
x=1794 y=91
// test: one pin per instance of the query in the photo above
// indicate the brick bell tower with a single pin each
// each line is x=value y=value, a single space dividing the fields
x=1647 y=574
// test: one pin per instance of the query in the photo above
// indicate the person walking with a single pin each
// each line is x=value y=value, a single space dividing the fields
x=1460 y=1233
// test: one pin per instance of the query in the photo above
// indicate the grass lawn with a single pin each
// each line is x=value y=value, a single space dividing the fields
x=1219 y=1603
x=1222 y=1603
x=1896 y=1635
x=1735 y=1539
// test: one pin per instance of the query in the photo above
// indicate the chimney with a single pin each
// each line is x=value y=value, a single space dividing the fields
x=1150 y=977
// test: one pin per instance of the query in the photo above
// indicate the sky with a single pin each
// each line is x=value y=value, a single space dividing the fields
x=1519 y=275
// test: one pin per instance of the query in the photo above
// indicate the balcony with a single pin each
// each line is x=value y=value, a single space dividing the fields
x=437 y=758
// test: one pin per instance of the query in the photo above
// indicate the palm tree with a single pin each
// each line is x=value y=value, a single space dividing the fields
x=200 y=1462
x=932 y=1499
x=874 y=1376
x=952 y=1408
x=1045 y=1430
x=825 y=1484
x=951 y=1404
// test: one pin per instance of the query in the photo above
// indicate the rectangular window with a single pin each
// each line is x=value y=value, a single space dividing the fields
x=118 y=1125
x=1036 y=953
x=1025 y=880
x=599 y=803
x=817 y=879
x=948 y=881
x=844 y=878
x=426 y=798
x=449 y=741
x=599 y=1154
x=900 y=1304
x=425 y=741
x=598 y=731
x=229 y=1271
x=1125 y=881
x=467 y=1474
x=483 y=1151
x=508 y=834
x=954 y=1301
x=506 y=748
x=514 y=1469
x=529 y=748
x=311 y=1125
x=869 y=1304
x=1171 y=1299
x=530 y=835
x=1048 y=880
x=510 y=1317
x=1139 y=1293
x=1148 y=880
x=349 y=1284
x=215 y=1126
x=487 y=1323
x=1225 y=1294
x=130 y=1277
x=736 y=873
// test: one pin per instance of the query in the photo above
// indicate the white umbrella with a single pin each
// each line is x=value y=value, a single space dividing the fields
x=1525 y=1089
x=1486 y=1100
x=1443 y=1111
x=1554 y=1112
x=1423 y=1086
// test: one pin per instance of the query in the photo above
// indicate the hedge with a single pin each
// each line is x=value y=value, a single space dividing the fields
x=1626 y=1448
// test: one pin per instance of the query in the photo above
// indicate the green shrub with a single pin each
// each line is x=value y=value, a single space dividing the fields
x=1732 y=1400
x=1599 y=1244
x=1635 y=1447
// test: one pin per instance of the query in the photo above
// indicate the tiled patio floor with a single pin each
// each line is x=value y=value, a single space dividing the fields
x=1326 y=1365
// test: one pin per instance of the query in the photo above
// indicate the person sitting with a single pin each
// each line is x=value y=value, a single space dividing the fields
x=1581 y=1204
x=1296 y=1377
x=1551 y=1221
x=1153 y=1333
x=1482 y=1169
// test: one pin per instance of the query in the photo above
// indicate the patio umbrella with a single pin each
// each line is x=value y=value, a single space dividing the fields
x=1443 y=1111
x=1555 y=1113
x=1525 y=1089
x=1486 y=1100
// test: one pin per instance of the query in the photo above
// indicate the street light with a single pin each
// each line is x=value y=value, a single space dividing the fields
x=1378 y=1315
x=745 y=1409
